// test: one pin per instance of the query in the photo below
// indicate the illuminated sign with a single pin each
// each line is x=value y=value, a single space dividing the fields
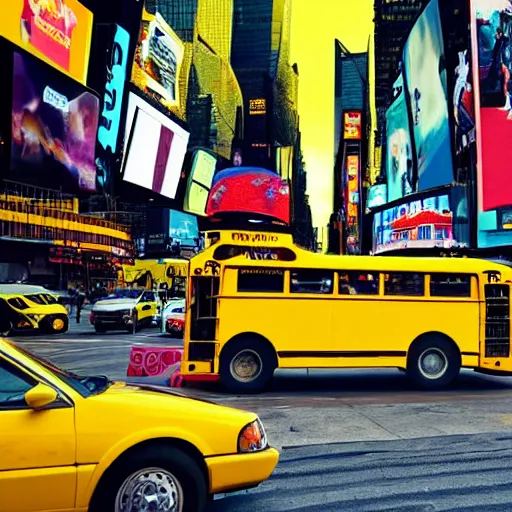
x=257 y=107
x=57 y=32
x=352 y=125
x=352 y=187
x=158 y=58
x=254 y=237
x=114 y=89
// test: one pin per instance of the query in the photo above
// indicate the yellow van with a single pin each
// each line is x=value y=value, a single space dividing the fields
x=25 y=307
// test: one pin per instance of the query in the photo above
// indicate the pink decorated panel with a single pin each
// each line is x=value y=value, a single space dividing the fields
x=152 y=361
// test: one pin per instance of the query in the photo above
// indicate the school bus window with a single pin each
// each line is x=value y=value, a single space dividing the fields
x=359 y=283
x=405 y=284
x=263 y=280
x=450 y=285
x=312 y=281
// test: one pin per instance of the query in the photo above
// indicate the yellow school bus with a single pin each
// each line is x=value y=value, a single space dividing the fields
x=257 y=302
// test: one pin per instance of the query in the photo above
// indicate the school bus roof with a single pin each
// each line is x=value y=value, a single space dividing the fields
x=308 y=259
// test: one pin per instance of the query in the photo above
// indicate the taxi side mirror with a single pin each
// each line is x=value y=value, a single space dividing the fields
x=40 y=396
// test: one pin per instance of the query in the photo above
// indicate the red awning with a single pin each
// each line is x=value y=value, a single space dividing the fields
x=423 y=218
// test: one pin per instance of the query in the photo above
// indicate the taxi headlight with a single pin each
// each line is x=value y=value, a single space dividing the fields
x=252 y=438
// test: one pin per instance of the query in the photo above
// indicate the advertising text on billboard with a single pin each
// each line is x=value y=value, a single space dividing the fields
x=54 y=128
x=58 y=32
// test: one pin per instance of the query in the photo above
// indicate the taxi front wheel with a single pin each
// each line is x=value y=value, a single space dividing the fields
x=159 y=478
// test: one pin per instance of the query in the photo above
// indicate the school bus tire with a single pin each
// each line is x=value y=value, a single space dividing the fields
x=433 y=362
x=247 y=364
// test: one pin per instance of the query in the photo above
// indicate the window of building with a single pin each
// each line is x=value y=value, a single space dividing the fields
x=450 y=285
x=404 y=283
x=262 y=280
x=312 y=281
x=359 y=283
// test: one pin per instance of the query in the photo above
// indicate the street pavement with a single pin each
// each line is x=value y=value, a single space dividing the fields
x=459 y=473
x=403 y=449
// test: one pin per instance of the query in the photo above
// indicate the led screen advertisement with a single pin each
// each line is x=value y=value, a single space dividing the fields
x=54 y=128
x=492 y=65
x=199 y=182
x=419 y=224
x=115 y=77
x=426 y=80
x=183 y=228
x=250 y=190
x=55 y=31
x=158 y=58
x=399 y=161
x=352 y=125
x=377 y=196
x=155 y=148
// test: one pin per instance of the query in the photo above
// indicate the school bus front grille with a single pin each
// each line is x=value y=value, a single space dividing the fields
x=497 y=320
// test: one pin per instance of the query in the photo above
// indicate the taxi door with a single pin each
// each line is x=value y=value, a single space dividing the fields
x=37 y=448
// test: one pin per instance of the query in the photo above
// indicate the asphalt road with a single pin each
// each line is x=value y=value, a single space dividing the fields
x=456 y=473
x=401 y=449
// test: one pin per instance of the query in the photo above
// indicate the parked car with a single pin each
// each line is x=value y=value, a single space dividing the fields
x=26 y=307
x=84 y=443
x=174 y=317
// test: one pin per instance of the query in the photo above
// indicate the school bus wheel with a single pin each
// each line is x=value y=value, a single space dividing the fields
x=433 y=361
x=247 y=364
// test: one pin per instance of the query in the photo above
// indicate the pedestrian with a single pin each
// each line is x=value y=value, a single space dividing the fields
x=80 y=299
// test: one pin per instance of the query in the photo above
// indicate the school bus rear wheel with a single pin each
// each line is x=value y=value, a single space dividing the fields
x=246 y=365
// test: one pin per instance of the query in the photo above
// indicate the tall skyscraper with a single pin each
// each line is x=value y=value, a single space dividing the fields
x=260 y=58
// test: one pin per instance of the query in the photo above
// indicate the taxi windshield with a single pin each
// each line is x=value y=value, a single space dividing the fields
x=84 y=385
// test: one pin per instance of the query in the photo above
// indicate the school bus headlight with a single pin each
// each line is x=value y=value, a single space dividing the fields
x=252 y=438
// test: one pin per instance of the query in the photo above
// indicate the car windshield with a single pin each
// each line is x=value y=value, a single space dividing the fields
x=84 y=385
x=124 y=294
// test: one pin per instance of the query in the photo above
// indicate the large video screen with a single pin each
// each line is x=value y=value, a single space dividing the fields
x=57 y=32
x=54 y=128
x=199 y=182
x=492 y=66
x=158 y=58
x=183 y=227
x=250 y=190
x=420 y=224
x=426 y=78
x=155 y=148
x=399 y=161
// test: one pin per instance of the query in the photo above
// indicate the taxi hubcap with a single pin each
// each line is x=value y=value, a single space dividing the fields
x=58 y=324
x=150 y=490
x=246 y=366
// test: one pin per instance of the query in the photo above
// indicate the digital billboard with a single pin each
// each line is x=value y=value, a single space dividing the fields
x=399 y=154
x=158 y=59
x=377 y=196
x=115 y=78
x=54 y=128
x=199 y=182
x=352 y=125
x=55 y=31
x=352 y=188
x=419 y=224
x=426 y=80
x=155 y=148
x=250 y=190
x=183 y=229
x=492 y=64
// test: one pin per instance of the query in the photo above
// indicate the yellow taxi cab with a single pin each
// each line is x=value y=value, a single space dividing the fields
x=25 y=307
x=77 y=443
